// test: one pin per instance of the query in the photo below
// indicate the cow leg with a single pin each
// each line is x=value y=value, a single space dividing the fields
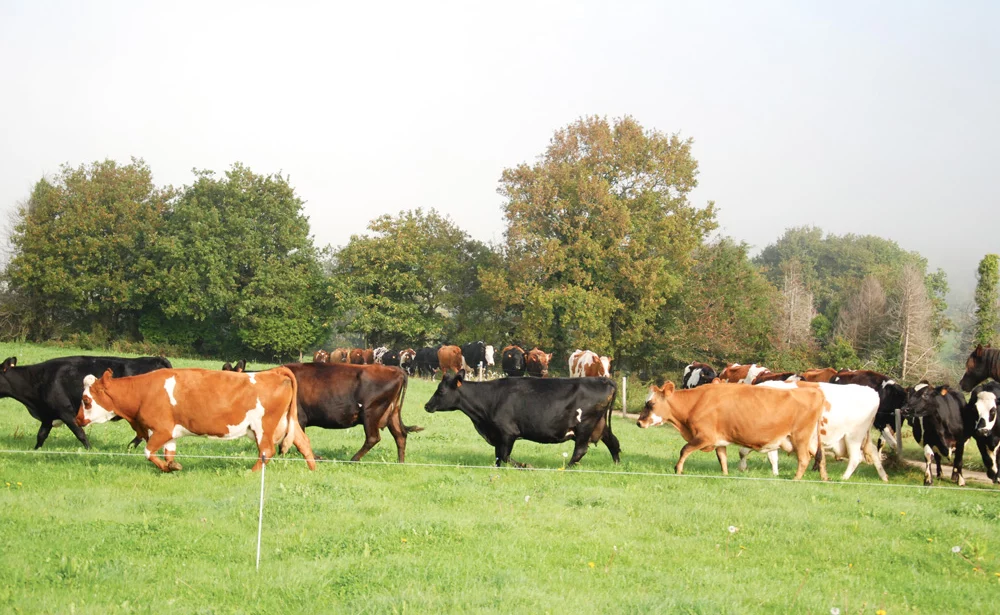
x=889 y=436
x=744 y=453
x=398 y=433
x=989 y=459
x=720 y=452
x=929 y=458
x=581 y=446
x=957 y=462
x=686 y=450
x=301 y=442
x=503 y=449
x=169 y=450
x=372 y=435
x=876 y=459
x=772 y=456
x=854 y=456
x=937 y=460
x=156 y=441
x=77 y=431
x=46 y=427
x=611 y=441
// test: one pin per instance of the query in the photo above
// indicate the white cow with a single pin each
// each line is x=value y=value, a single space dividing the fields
x=846 y=425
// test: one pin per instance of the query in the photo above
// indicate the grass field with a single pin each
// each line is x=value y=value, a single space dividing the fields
x=110 y=534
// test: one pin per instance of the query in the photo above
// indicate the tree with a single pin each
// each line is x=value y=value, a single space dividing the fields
x=237 y=269
x=987 y=311
x=797 y=310
x=83 y=248
x=912 y=313
x=863 y=320
x=599 y=237
x=414 y=279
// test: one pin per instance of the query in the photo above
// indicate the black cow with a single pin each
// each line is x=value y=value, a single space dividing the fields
x=697 y=374
x=400 y=358
x=53 y=390
x=982 y=423
x=936 y=414
x=549 y=411
x=983 y=363
x=478 y=355
x=512 y=361
x=891 y=398
x=425 y=363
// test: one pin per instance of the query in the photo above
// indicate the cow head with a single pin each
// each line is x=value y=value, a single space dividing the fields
x=406 y=359
x=8 y=363
x=94 y=395
x=657 y=409
x=920 y=400
x=606 y=366
x=448 y=394
x=489 y=355
x=985 y=401
x=891 y=397
x=976 y=369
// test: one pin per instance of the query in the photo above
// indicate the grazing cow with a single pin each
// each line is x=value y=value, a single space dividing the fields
x=935 y=413
x=742 y=373
x=697 y=374
x=819 y=374
x=982 y=414
x=379 y=354
x=450 y=358
x=536 y=363
x=892 y=396
x=512 y=361
x=547 y=411
x=52 y=390
x=171 y=403
x=586 y=363
x=340 y=355
x=321 y=356
x=761 y=418
x=769 y=376
x=983 y=363
x=425 y=361
x=478 y=355
x=846 y=424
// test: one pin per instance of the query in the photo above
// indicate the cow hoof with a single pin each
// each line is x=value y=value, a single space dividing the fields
x=173 y=466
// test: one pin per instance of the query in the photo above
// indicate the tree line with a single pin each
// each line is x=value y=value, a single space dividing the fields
x=602 y=249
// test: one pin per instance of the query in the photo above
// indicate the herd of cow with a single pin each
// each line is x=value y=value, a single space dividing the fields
x=818 y=411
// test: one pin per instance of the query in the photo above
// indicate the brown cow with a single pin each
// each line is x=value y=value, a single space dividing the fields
x=761 y=418
x=340 y=355
x=357 y=356
x=171 y=403
x=819 y=374
x=321 y=356
x=770 y=376
x=450 y=358
x=536 y=362
x=746 y=374
x=586 y=363
x=983 y=363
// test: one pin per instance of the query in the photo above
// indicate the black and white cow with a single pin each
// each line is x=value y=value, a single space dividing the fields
x=379 y=353
x=478 y=355
x=697 y=374
x=548 y=410
x=425 y=363
x=936 y=415
x=981 y=414
x=53 y=390
x=891 y=395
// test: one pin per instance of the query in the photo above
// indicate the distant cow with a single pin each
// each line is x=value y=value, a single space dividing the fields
x=983 y=363
x=548 y=411
x=321 y=356
x=746 y=374
x=425 y=362
x=761 y=418
x=172 y=403
x=982 y=414
x=450 y=359
x=935 y=413
x=824 y=374
x=846 y=424
x=586 y=363
x=340 y=355
x=362 y=356
x=379 y=354
x=512 y=361
x=400 y=358
x=769 y=376
x=478 y=355
x=697 y=374
x=536 y=363
x=891 y=395
x=52 y=390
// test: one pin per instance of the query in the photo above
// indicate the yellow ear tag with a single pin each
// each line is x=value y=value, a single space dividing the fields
x=459 y=383
x=944 y=392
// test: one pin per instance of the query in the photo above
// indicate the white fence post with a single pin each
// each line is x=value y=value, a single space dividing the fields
x=624 y=396
x=260 y=515
x=899 y=435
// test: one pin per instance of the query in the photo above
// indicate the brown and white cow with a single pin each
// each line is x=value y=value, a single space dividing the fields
x=171 y=403
x=321 y=356
x=587 y=363
x=450 y=359
x=760 y=418
x=536 y=362
x=746 y=374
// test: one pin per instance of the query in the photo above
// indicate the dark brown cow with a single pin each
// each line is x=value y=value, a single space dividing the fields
x=450 y=358
x=357 y=356
x=983 y=363
x=321 y=356
x=536 y=363
x=863 y=377
x=819 y=374
x=770 y=376
x=171 y=403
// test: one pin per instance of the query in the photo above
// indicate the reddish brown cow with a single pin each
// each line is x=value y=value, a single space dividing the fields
x=819 y=374
x=536 y=362
x=321 y=356
x=450 y=358
x=761 y=418
x=357 y=356
x=770 y=376
x=171 y=403
x=340 y=355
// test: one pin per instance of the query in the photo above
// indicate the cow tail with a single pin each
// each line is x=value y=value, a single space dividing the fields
x=611 y=405
x=293 y=416
x=820 y=461
x=400 y=397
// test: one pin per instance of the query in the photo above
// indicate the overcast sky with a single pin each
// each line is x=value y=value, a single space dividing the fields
x=858 y=117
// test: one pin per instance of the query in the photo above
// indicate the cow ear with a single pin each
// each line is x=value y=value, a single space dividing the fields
x=241 y=365
x=8 y=363
x=978 y=351
x=460 y=376
x=107 y=374
x=89 y=380
x=227 y=367
x=668 y=387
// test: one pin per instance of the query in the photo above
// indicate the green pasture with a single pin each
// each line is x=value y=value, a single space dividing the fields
x=110 y=534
